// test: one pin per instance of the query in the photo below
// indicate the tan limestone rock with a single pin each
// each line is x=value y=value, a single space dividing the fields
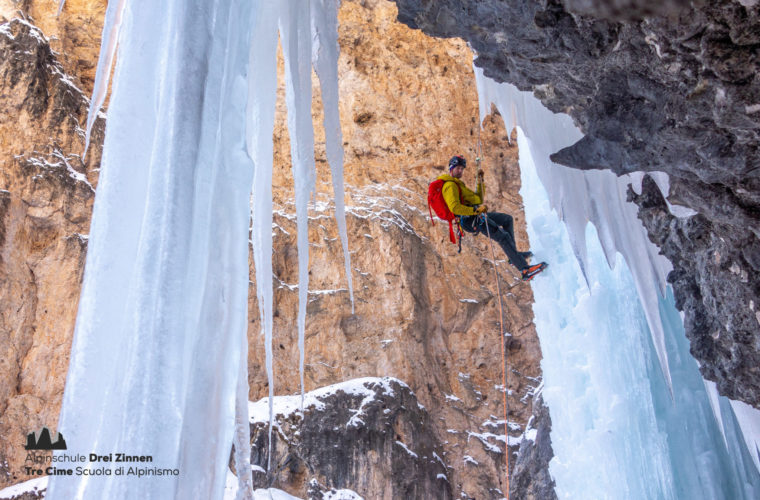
x=423 y=313
x=74 y=34
x=46 y=195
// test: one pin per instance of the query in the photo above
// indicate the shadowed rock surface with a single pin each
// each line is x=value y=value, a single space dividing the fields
x=369 y=435
x=627 y=10
x=530 y=476
x=679 y=94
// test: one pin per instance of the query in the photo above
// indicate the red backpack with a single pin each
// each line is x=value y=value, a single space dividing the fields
x=438 y=204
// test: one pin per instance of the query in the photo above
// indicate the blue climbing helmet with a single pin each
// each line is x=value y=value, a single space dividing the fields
x=457 y=160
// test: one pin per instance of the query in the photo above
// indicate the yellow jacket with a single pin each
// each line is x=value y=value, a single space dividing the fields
x=469 y=197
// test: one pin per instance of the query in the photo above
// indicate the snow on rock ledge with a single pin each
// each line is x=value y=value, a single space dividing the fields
x=369 y=435
x=28 y=490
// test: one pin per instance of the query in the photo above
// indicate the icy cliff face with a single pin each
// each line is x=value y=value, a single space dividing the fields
x=678 y=95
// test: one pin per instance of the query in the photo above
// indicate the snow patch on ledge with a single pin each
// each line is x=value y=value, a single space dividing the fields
x=452 y=398
x=231 y=488
x=287 y=406
x=342 y=495
x=33 y=31
x=31 y=486
x=333 y=494
x=63 y=163
x=485 y=438
x=407 y=449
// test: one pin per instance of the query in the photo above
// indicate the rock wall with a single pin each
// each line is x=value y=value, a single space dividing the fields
x=435 y=324
x=530 y=478
x=74 y=35
x=350 y=436
x=46 y=194
x=677 y=93
x=423 y=313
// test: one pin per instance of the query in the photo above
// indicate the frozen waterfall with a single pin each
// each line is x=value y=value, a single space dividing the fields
x=632 y=417
x=159 y=360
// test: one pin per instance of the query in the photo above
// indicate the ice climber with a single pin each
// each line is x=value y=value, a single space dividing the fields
x=473 y=216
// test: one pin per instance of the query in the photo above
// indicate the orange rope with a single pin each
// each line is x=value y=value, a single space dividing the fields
x=501 y=335
x=503 y=358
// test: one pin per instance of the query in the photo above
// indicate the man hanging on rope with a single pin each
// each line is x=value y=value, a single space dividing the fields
x=474 y=217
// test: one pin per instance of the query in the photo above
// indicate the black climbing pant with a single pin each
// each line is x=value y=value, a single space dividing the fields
x=501 y=230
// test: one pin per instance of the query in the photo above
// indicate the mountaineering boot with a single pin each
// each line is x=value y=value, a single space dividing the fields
x=529 y=273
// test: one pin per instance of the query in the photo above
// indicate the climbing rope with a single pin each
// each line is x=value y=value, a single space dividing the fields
x=503 y=357
x=501 y=333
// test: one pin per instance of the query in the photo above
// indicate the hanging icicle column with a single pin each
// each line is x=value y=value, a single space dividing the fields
x=158 y=364
x=300 y=24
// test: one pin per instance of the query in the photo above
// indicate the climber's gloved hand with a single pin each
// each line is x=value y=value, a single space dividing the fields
x=481 y=209
x=480 y=175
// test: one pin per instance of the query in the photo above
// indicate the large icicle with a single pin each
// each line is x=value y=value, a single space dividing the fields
x=749 y=421
x=156 y=355
x=110 y=37
x=262 y=96
x=324 y=26
x=242 y=440
x=295 y=30
x=293 y=19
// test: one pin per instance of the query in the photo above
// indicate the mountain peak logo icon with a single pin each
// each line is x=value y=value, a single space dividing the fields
x=42 y=441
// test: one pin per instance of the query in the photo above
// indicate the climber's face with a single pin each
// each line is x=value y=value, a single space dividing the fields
x=457 y=172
